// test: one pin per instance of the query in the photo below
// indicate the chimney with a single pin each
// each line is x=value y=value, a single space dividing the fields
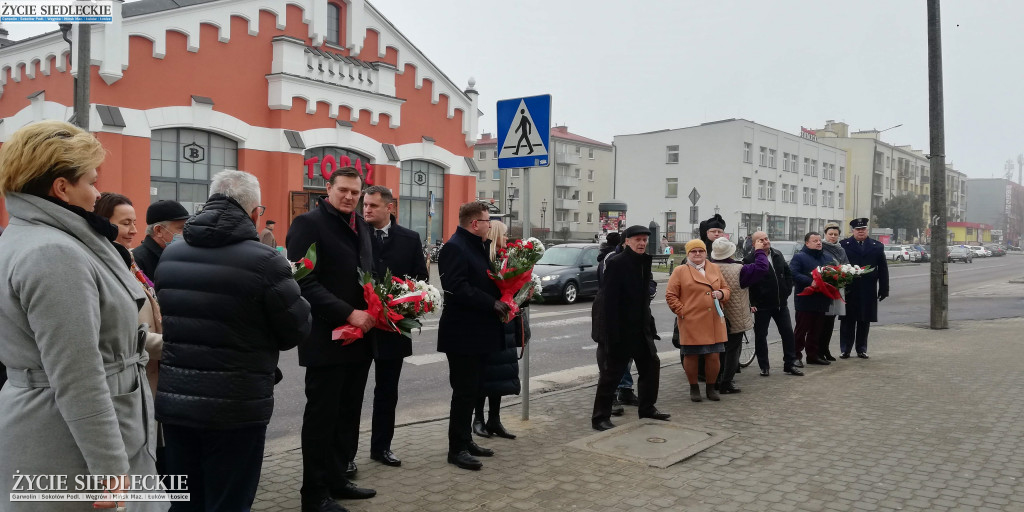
x=4 y=41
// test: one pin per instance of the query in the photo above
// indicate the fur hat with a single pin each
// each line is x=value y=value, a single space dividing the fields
x=714 y=222
x=722 y=249
x=695 y=243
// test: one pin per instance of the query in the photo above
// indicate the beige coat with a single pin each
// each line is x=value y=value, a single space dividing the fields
x=150 y=315
x=689 y=296
x=737 y=308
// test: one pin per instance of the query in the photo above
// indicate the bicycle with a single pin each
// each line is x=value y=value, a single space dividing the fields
x=747 y=350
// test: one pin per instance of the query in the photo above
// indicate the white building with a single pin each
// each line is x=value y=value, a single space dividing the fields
x=756 y=177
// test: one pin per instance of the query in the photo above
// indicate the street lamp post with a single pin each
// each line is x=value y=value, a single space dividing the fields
x=543 y=210
x=511 y=197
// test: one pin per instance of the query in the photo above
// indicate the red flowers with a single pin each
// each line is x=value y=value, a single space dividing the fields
x=306 y=262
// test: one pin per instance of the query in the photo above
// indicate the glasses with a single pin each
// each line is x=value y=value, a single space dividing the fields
x=483 y=220
x=262 y=209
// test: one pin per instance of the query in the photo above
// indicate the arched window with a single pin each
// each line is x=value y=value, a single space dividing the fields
x=317 y=182
x=333 y=24
x=419 y=180
x=182 y=161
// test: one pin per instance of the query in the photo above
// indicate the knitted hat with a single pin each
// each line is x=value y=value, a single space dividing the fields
x=694 y=244
x=722 y=249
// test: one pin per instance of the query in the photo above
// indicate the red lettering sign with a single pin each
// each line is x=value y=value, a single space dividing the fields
x=330 y=164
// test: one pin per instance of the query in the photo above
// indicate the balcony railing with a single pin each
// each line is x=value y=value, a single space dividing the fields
x=560 y=224
x=567 y=181
x=564 y=157
x=567 y=204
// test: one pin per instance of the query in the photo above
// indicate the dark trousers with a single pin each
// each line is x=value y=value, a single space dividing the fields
x=330 y=426
x=826 y=335
x=730 y=359
x=762 y=318
x=808 y=332
x=611 y=366
x=387 y=373
x=223 y=466
x=464 y=375
x=853 y=331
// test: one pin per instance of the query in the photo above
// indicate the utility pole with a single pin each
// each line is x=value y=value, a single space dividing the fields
x=80 y=84
x=939 y=266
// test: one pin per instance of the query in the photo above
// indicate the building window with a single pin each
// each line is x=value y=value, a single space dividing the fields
x=575 y=216
x=671 y=187
x=482 y=156
x=590 y=153
x=590 y=218
x=496 y=174
x=842 y=174
x=792 y=163
x=590 y=196
x=590 y=175
x=670 y=226
x=888 y=162
x=672 y=154
x=324 y=156
x=419 y=181
x=515 y=172
x=824 y=198
x=806 y=201
x=771 y=190
x=746 y=187
x=760 y=189
x=747 y=148
x=814 y=168
x=481 y=195
x=814 y=196
x=807 y=166
x=182 y=162
x=576 y=173
x=764 y=156
x=842 y=201
x=494 y=154
x=579 y=151
x=333 y=24
x=785 y=162
x=771 y=158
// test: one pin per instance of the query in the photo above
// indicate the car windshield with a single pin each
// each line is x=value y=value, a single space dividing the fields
x=563 y=256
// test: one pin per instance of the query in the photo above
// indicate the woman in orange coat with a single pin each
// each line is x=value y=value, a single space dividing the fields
x=695 y=292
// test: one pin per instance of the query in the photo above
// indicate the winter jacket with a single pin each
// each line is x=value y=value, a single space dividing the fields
x=863 y=293
x=688 y=295
x=802 y=264
x=739 y=277
x=501 y=368
x=229 y=306
x=773 y=290
x=147 y=256
x=468 y=323
x=621 y=313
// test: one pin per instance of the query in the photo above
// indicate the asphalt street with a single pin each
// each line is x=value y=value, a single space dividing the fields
x=561 y=339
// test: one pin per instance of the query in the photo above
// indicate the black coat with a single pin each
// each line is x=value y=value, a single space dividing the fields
x=468 y=324
x=621 y=314
x=402 y=253
x=801 y=266
x=147 y=256
x=229 y=306
x=773 y=290
x=862 y=293
x=501 y=368
x=333 y=288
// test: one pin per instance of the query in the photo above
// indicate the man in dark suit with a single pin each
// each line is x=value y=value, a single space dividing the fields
x=471 y=326
x=770 y=299
x=335 y=374
x=164 y=220
x=865 y=292
x=399 y=250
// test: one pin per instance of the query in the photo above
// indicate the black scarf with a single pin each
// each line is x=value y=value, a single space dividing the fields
x=99 y=224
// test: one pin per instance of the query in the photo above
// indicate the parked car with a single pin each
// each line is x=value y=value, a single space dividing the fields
x=959 y=253
x=901 y=253
x=979 y=251
x=568 y=272
x=996 y=250
x=925 y=255
x=787 y=248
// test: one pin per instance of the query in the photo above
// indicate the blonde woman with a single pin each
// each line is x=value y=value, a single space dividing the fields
x=69 y=322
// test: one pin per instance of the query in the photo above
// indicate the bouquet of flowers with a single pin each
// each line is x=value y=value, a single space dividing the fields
x=394 y=303
x=512 y=271
x=303 y=267
x=830 y=278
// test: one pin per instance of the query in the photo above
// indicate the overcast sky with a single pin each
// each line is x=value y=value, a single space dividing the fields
x=616 y=67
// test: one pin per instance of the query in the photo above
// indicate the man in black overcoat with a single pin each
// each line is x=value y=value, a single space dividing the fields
x=623 y=328
x=335 y=374
x=471 y=326
x=865 y=292
x=399 y=250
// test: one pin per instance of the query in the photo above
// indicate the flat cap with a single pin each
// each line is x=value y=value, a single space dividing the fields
x=165 y=210
x=636 y=230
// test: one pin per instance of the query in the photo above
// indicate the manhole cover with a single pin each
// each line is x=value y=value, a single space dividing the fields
x=655 y=443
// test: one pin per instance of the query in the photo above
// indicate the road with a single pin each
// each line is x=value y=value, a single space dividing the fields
x=562 y=342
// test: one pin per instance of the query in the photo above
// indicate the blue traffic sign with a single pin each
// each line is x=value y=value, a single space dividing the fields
x=524 y=132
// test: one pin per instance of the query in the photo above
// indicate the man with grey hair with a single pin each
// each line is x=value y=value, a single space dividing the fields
x=164 y=220
x=230 y=306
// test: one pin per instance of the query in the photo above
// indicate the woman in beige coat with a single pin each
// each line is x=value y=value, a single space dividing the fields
x=695 y=292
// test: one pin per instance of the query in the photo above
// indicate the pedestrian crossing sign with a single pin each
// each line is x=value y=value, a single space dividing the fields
x=524 y=130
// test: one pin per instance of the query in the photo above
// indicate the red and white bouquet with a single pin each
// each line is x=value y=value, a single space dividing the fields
x=831 y=278
x=395 y=303
x=512 y=271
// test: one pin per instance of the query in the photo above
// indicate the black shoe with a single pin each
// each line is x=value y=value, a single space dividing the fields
x=479 y=451
x=798 y=363
x=351 y=469
x=828 y=357
x=479 y=428
x=656 y=415
x=728 y=389
x=617 y=410
x=602 y=425
x=387 y=457
x=325 y=505
x=817 y=360
x=765 y=372
x=862 y=355
x=794 y=372
x=844 y=355
x=495 y=427
x=349 y=491
x=465 y=461
x=627 y=397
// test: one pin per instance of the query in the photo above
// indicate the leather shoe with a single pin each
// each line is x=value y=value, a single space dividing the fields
x=497 y=429
x=765 y=372
x=465 y=461
x=349 y=491
x=479 y=451
x=862 y=355
x=844 y=355
x=617 y=410
x=828 y=357
x=817 y=360
x=798 y=363
x=794 y=372
x=325 y=505
x=602 y=425
x=656 y=415
x=728 y=389
x=627 y=397
x=479 y=429
x=387 y=457
x=351 y=469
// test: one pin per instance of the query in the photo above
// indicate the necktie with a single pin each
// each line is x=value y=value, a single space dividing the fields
x=352 y=221
x=380 y=235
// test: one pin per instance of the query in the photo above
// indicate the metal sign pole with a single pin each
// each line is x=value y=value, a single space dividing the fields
x=525 y=378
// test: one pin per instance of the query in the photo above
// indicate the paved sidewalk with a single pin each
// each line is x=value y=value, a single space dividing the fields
x=934 y=421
